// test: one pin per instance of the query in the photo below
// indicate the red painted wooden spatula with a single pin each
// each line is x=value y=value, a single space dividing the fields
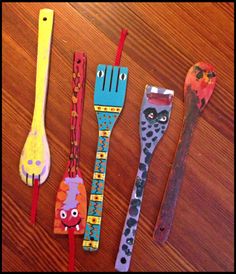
x=199 y=85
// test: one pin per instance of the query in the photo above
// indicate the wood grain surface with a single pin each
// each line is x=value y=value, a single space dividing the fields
x=164 y=41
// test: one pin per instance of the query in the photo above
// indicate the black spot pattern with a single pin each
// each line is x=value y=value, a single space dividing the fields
x=135 y=202
x=124 y=247
x=123 y=260
x=133 y=211
x=153 y=124
x=142 y=166
x=131 y=222
x=148 y=158
x=144 y=174
x=127 y=231
x=130 y=241
x=148 y=145
x=149 y=134
x=139 y=187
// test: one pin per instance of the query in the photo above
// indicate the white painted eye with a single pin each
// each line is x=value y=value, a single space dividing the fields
x=123 y=76
x=63 y=214
x=74 y=212
x=100 y=73
x=163 y=119
x=150 y=115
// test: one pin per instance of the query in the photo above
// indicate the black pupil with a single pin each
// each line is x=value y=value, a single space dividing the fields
x=100 y=73
x=122 y=76
x=74 y=213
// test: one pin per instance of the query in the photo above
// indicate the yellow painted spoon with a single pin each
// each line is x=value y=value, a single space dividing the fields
x=35 y=157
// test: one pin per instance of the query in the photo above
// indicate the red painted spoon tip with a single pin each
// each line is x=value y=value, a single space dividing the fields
x=201 y=78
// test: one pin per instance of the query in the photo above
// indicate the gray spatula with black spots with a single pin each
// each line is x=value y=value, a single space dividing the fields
x=154 y=119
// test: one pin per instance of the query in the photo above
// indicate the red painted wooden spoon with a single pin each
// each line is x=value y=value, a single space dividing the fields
x=199 y=85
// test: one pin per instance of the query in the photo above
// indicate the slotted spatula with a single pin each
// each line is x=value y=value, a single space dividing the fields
x=109 y=98
x=154 y=120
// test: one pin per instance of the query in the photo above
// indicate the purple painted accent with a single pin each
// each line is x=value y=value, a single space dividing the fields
x=38 y=163
x=153 y=117
x=76 y=179
x=73 y=191
x=30 y=162
x=30 y=176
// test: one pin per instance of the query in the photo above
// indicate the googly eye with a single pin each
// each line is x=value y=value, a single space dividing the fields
x=123 y=76
x=74 y=212
x=63 y=214
x=100 y=73
x=163 y=119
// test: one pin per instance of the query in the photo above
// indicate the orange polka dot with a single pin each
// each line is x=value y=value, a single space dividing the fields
x=61 y=196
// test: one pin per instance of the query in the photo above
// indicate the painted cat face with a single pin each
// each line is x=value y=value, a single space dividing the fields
x=70 y=218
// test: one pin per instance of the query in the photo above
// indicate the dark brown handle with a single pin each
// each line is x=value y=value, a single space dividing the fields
x=167 y=210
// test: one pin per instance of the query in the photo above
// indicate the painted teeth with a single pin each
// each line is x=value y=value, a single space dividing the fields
x=77 y=227
x=66 y=228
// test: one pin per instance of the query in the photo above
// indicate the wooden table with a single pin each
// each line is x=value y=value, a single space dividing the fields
x=164 y=41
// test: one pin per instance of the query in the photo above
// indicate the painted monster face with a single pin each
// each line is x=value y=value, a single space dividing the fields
x=70 y=218
x=35 y=158
x=153 y=116
x=110 y=85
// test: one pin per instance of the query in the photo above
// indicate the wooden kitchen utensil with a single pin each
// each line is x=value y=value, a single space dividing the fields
x=109 y=98
x=154 y=120
x=35 y=157
x=71 y=201
x=198 y=88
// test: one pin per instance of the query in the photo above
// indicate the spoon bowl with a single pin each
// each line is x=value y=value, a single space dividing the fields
x=201 y=80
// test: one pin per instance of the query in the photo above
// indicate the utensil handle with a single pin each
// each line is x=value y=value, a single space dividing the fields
x=78 y=87
x=123 y=257
x=167 y=209
x=43 y=56
x=94 y=217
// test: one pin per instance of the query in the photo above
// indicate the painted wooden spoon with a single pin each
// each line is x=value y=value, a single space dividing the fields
x=34 y=163
x=198 y=88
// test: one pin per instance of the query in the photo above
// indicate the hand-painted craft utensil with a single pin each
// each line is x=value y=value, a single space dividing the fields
x=35 y=157
x=71 y=201
x=199 y=85
x=154 y=118
x=109 y=97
